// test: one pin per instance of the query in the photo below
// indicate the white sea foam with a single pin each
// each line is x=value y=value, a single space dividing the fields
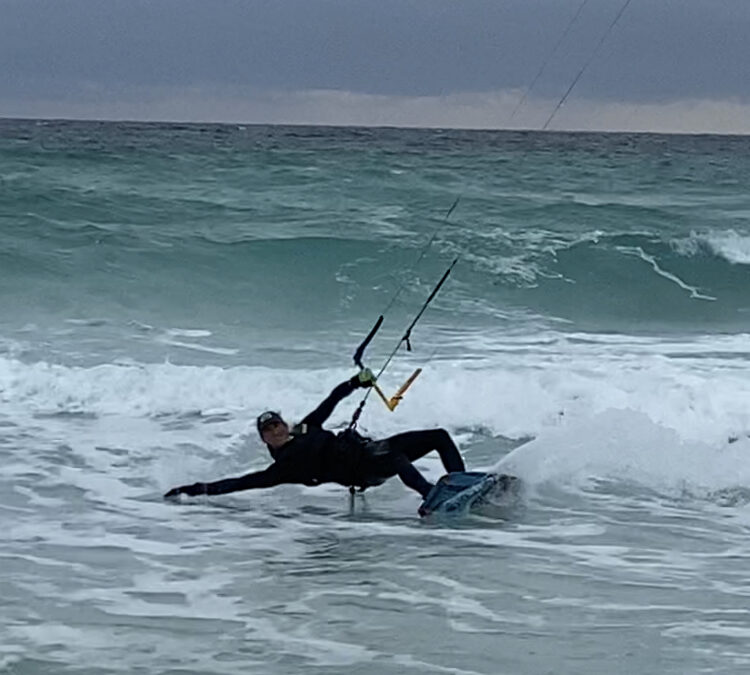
x=697 y=387
x=189 y=332
x=628 y=445
x=651 y=260
x=730 y=244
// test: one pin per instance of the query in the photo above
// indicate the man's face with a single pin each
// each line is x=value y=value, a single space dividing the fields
x=275 y=433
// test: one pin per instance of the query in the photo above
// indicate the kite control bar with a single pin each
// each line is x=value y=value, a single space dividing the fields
x=394 y=400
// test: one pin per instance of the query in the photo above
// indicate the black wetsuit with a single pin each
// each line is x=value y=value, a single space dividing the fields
x=314 y=455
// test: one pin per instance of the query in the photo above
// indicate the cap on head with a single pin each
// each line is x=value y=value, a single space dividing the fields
x=266 y=418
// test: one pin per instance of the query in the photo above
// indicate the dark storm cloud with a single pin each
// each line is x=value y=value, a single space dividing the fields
x=659 y=50
x=667 y=64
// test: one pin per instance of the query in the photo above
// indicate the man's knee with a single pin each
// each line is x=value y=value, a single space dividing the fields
x=442 y=437
x=435 y=436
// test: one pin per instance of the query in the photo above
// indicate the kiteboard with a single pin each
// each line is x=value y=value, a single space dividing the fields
x=461 y=490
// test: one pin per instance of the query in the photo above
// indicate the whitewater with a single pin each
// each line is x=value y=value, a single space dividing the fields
x=161 y=284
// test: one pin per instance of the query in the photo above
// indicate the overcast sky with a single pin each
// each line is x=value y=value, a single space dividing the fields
x=667 y=65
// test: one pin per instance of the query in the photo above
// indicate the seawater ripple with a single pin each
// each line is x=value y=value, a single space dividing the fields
x=294 y=580
x=162 y=283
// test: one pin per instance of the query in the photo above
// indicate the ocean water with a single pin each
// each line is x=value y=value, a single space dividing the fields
x=160 y=284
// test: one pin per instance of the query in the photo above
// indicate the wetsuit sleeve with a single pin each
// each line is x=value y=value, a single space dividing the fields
x=324 y=410
x=276 y=474
x=257 y=479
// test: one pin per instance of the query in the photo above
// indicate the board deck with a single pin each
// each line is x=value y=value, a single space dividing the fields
x=459 y=491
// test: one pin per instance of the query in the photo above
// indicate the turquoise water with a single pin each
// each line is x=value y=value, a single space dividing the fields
x=160 y=284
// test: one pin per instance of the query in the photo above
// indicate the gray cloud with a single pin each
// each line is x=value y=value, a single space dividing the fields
x=406 y=55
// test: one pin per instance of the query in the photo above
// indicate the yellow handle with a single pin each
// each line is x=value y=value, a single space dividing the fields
x=396 y=398
x=382 y=396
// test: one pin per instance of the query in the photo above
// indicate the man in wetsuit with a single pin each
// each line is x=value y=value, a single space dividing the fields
x=310 y=455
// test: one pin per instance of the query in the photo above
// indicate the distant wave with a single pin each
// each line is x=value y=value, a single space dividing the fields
x=732 y=245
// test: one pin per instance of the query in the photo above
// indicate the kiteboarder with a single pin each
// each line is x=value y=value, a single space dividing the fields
x=308 y=454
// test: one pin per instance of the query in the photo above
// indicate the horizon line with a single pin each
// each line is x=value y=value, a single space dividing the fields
x=392 y=127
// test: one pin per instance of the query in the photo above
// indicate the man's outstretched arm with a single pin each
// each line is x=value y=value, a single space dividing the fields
x=258 y=479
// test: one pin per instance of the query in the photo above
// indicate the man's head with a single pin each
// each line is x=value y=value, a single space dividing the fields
x=272 y=429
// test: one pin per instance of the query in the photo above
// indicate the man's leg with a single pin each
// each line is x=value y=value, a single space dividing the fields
x=381 y=461
x=416 y=444
x=410 y=476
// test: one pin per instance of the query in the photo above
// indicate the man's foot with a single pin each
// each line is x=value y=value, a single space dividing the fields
x=422 y=510
x=425 y=492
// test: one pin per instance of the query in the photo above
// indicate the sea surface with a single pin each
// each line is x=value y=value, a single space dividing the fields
x=161 y=284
